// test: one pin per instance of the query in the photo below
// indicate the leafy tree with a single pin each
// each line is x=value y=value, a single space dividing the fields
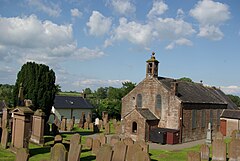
x=235 y=99
x=6 y=91
x=38 y=83
x=186 y=79
x=87 y=91
x=127 y=87
x=101 y=93
x=58 y=88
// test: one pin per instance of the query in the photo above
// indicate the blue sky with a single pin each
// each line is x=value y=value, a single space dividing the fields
x=98 y=43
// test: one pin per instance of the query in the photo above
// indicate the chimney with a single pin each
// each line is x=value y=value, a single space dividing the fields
x=174 y=87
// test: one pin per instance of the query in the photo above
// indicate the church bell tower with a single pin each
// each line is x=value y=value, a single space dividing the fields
x=152 y=67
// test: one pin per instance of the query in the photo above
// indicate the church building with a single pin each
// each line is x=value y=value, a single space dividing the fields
x=167 y=103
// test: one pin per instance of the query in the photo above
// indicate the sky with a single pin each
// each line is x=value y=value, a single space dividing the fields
x=101 y=43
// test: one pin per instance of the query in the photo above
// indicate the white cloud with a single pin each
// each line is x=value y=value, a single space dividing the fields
x=134 y=32
x=122 y=7
x=98 y=24
x=49 y=8
x=210 y=16
x=211 y=32
x=158 y=8
x=76 y=13
x=234 y=90
x=29 y=39
x=180 y=14
x=181 y=42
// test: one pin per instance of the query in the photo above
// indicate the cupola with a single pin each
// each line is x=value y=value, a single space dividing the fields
x=152 y=67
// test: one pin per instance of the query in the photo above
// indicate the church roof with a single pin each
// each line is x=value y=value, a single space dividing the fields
x=232 y=114
x=71 y=102
x=147 y=114
x=190 y=92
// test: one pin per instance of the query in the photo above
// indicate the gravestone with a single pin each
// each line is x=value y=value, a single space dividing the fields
x=38 y=127
x=205 y=152
x=86 y=125
x=89 y=143
x=193 y=156
x=22 y=155
x=104 y=153
x=64 y=124
x=104 y=118
x=118 y=128
x=5 y=117
x=144 y=145
x=82 y=121
x=131 y=150
x=107 y=128
x=21 y=130
x=219 y=135
x=70 y=125
x=209 y=134
x=114 y=139
x=89 y=118
x=234 y=150
x=95 y=146
x=58 y=139
x=102 y=138
x=91 y=126
x=55 y=130
x=75 y=148
x=4 y=138
x=58 y=152
x=128 y=141
x=218 y=150
x=100 y=124
x=141 y=156
x=119 y=151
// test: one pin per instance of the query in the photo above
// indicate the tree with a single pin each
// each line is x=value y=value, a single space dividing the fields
x=87 y=91
x=127 y=87
x=6 y=91
x=38 y=83
x=235 y=99
x=186 y=79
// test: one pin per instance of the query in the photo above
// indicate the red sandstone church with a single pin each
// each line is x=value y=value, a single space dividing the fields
x=182 y=108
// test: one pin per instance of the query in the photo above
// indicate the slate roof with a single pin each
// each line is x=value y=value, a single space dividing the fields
x=232 y=114
x=75 y=102
x=197 y=93
x=147 y=114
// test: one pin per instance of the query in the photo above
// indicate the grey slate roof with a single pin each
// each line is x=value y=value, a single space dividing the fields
x=197 y=93
x=232 y=114
x=74 y=102
x=147 y=114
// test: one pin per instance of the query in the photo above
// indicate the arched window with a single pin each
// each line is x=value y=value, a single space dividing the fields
x=134 y=127
x=158 y=102
x=139 y=100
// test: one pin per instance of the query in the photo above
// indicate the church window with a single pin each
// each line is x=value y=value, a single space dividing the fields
x=194 y=119
x=203 y=118
x=211 y=116
x=139 y=100
x=134 y=127
x=158 y=102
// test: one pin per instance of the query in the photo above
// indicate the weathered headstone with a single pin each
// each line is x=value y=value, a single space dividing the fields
x=96 y=146
x=89 y=143
x=114 y=139
x=219 y=135
x=89 y=118
x=218 y=150
x=91 y=126
x=102 y=138
x=58 y=139
x=107 y=128
x=119 y=151
x=131 y=150
x=100 y=124
x=144 y=145
x=104 y=153
x=55 y=130
x=22 y=154
x=75 y=148
x=234 y=150
x=64 y=124
x=118 y=128
x=59 y=153
x=4 y=139
x=82 y=120
x=70 y=125
x=104 y=118
x=38 y=127
x=142 y=156
x=128 y=141
x=205 y=152
x=193 y=156
x=86 y=125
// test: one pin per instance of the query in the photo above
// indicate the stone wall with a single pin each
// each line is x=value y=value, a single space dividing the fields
x=232 y=124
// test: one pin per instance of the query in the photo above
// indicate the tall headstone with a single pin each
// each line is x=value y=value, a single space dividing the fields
x=89 y=143
x=70 y=125
x=82 y=120
x=96 y=146
x=75 y=148
x=131 y=150
x=22 y=154
x=119 y=151
x=218 y=150
x=104 y=153
x=38 y=127
x=209 y=134
x=102 y=138
x=64 y=124
x=105 y=117
x=86 y=125
x=22 y=125
x=89 y=118
x=4 y=138
x=205 y=152
x=234 y=150
x=58 y=139
x=58 y=152
x=107 y=128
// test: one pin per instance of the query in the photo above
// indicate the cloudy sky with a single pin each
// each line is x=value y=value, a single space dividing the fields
x=98 y=43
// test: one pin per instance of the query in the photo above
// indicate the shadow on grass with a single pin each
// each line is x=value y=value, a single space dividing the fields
x=48 y=138
x=40 y=150
x=80 y=133
x=85 y=150
x=88 y=158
